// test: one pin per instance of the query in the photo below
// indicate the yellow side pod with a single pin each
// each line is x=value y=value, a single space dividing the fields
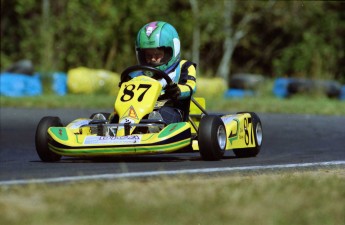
x=65 y=142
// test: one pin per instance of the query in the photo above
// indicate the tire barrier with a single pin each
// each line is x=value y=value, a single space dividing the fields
x=84 y=80
x=20 y=79
x=59 y=83
x=342 y=93
x=286 y=87
x=18 y=85
x=243 y=85
x=246 y=81
x=24 y=66
x=238 y=93
x=210 y=87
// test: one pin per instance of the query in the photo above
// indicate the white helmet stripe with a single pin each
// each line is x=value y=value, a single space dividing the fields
x=176 y=46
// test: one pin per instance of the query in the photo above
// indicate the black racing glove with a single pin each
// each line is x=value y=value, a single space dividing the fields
x=172 y=91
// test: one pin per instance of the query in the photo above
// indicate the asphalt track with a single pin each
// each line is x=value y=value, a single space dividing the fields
x=288 y=139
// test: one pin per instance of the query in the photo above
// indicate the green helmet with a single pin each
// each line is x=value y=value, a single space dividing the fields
x=159 y=35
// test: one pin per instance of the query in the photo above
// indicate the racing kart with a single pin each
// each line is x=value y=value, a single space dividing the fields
x=136 y=127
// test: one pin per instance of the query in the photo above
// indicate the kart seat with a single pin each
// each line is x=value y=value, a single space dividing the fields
x=184 y=106
x=188 y=107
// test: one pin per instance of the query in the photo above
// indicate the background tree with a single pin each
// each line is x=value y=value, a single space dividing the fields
x=196 y=31
x=273 y=38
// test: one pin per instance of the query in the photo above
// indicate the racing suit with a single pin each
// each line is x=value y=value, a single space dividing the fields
x=184 y=74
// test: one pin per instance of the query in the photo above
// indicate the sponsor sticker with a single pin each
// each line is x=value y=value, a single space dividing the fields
x=131 y=139
x=228 y=119
x=132 y=113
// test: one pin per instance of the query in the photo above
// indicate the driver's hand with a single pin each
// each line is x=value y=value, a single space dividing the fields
x=172 y=91
x=123 y=81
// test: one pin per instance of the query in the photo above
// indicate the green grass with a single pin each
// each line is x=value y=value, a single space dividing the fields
x=300 y=104
x=282 y=198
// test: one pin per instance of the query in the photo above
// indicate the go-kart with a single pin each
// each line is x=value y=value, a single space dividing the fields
x=135 y=127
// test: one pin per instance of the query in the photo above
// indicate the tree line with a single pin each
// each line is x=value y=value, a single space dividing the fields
x=272 y=38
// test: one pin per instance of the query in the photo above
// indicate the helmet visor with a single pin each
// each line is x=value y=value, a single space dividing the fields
x=154 y=56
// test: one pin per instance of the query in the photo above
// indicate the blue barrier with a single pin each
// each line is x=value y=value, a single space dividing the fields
x=285 y=87
x=17 y=85
x=280 y=87
x=342 y=93
x=59 y=84
x=238 y=93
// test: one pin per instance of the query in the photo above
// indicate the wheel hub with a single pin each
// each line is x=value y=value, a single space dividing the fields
x=258 y=132
x=221 y=136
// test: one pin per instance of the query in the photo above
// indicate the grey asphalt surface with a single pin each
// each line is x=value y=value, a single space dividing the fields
x=287 y=139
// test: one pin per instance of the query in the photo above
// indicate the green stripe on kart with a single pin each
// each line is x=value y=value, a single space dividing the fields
x=170 y=128
x=59 y=132
x=164 y=147
x=119 y=150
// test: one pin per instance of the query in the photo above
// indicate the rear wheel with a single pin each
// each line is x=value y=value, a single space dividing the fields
x=42 y=138
x=212 y=138
x=258 y=136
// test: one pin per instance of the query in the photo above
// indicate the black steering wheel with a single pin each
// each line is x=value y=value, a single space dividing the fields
x=158 y=74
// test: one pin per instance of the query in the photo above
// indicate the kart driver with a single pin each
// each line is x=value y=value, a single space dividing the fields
x=158 y=45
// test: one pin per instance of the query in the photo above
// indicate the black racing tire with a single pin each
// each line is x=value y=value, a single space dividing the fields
x=42 y=138
x=246 y=81
x=258 y=136
x=212 y=138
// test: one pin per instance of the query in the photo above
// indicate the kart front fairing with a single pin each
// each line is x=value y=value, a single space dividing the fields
x=137 y=98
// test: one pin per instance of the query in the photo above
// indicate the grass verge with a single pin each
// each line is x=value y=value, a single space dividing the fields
x=261 y=104
x=309 y=197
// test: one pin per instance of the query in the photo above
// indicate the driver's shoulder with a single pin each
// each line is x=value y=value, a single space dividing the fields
x=184 y=63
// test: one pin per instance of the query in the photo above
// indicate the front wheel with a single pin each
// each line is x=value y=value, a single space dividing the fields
x=212 y=138
x=42 y=138
x=258 y=136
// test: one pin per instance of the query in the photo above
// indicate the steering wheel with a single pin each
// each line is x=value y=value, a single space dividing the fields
x=158 y=73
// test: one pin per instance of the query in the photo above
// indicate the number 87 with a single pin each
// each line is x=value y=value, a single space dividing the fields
x=128 y=92
x=247 y=121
